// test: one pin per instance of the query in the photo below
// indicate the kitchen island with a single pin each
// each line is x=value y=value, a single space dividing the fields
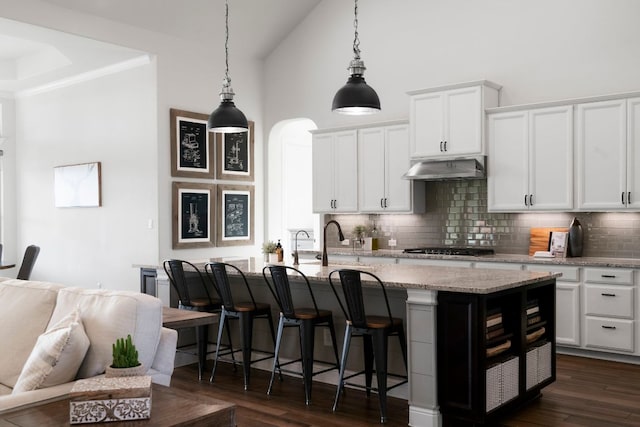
x=452 y=378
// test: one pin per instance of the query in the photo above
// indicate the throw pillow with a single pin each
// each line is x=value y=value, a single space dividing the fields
x=56 y=357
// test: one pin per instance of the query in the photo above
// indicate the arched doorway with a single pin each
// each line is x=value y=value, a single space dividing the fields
x=289 y=190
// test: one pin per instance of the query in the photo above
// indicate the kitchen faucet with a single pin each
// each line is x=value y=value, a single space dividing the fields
x=295 y=250
x=325 y=260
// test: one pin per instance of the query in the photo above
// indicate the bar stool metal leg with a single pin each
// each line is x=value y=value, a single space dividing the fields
x=276 y=363
x=343 y=364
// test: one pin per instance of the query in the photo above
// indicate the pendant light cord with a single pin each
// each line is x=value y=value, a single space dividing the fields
x=226 y=43
x=356 y=40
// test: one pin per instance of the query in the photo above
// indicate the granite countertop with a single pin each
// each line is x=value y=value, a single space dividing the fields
x=508 y=258
x=452 y=279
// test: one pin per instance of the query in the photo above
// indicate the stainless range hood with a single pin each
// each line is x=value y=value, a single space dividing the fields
x=444 y=169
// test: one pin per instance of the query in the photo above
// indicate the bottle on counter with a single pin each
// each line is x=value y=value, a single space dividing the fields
x=279 y=251
x=375 y=238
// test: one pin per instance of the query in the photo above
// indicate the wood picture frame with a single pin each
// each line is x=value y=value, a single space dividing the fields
x=78 y=186
x=192 y=155
x=236 y=215
x=193 y=218
x=234 y=153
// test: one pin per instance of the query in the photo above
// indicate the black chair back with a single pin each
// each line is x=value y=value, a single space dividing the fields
x=178 y=278
x=281 y=288
x=29 y=260
x=217 y=271
x=351 y=281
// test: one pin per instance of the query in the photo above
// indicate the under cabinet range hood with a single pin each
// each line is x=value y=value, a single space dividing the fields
x=444 y=169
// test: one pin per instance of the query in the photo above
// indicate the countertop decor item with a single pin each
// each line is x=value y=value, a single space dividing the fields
x=356 y=97
x=227 y=118
x=575 y=238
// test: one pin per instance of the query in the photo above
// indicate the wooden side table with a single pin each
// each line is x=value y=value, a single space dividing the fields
x=169 y=407
x=174 y=318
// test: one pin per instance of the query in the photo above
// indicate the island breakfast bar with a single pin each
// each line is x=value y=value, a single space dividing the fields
x=458 y=373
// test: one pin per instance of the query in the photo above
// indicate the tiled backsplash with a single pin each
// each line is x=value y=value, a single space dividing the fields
x=457 y=215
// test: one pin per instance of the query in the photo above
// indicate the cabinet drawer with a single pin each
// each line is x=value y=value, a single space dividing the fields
x=569 y=274
x=611 y=301
x=614 y=334
x=614 y=276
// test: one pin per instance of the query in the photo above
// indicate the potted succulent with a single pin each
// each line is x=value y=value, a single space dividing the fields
x=125 y=360
x=269 y=251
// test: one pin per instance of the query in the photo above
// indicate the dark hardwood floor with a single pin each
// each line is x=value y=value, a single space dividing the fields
x=587 y=392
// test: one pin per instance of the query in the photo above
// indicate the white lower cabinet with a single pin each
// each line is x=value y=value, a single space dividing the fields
x=567 y=302
x=609 y=307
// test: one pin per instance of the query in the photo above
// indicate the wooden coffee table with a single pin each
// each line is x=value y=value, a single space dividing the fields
x=169 y=407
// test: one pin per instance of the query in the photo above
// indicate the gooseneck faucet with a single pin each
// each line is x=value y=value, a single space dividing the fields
x=295 y=250
x=325 y=260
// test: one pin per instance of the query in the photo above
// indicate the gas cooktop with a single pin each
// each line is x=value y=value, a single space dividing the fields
x=450 y=251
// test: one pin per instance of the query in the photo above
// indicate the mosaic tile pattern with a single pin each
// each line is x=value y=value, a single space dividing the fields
x=457 y=215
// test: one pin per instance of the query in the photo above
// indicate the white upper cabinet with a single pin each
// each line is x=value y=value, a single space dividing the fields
x=383 y=157
x=449 y=121
x=607 y=142
x=530 y=164
x=335 y=176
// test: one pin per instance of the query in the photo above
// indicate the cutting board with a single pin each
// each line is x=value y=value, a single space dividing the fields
x=539 y=240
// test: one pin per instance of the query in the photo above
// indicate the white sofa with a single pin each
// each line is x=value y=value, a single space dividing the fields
x=28 y=309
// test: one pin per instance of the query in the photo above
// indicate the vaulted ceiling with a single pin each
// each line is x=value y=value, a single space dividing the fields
x=32 y=56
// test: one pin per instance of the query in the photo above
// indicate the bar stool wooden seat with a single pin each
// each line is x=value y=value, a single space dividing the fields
x=244 y=311
x=375 y=331
x=306 y=319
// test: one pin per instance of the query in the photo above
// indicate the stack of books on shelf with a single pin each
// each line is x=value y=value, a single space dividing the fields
x=495 y=330
x=534 y=318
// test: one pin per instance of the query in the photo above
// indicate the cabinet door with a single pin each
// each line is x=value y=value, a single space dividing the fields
x=633 y=153
x=397 y=163
x=371 y=169
x=427 y=124
x=322 y=163
x=551 y=158
x=507 y=184
x=463 y=121
x=601 y=147
x=568 y=313
x=345 y=161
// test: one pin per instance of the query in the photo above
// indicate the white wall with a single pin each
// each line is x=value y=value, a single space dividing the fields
x=110 y=120
x=538 y=50
x=7 y=177
x=188 y=76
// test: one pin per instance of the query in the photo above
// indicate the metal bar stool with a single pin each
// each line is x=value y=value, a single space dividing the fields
x=305 y=319
x=245 y=312
x=193 y=294
x=375 y=331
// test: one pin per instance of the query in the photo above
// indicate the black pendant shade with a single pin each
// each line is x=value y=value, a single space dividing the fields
x=227 y=118
x=356 y=97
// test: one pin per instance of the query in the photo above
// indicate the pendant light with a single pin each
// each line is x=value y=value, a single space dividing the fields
x=227 y=117
x=356 y=97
